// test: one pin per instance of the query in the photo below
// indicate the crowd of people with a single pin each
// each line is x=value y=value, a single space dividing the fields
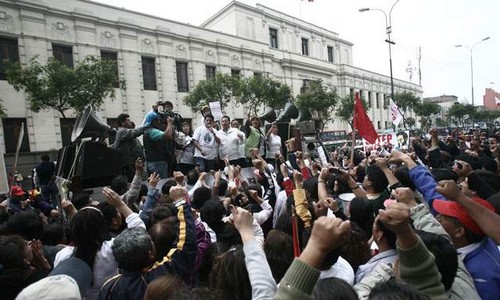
x=421 y=223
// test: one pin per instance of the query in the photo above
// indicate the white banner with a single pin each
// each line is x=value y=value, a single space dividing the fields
x=394 y=113
x=399 y=140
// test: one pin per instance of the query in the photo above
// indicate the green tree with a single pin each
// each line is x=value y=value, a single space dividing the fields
x=320 y=99
x=441 y=122
x=222 y=88
x=458 y=112
x=57 y=86
x=345 y=109
x=406 y=102
x=425 y=109
x=411 y=122
x=259 y=91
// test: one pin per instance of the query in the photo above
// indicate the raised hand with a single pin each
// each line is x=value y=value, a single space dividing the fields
x=112 y=197
x=153 y=179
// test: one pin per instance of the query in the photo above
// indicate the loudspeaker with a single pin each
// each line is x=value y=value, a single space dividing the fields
x=269 y=116
x=304 y=115
x=290 y=112
x=96 y=165
x=90 y=125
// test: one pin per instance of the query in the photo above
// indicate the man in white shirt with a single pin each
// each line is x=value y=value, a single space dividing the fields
x=205 y=143
x=231 y=141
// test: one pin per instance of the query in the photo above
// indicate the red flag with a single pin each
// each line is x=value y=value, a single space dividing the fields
x=362 y=122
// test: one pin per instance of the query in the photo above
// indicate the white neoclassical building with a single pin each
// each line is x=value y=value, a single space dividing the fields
x=164 y=59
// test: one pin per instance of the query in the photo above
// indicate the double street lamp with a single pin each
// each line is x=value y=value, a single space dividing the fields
x=388 y=31
x=471 y=48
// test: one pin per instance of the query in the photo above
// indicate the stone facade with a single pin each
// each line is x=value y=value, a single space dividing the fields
x=236 y=38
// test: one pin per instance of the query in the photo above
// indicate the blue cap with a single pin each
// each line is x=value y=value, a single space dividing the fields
x=149 y=118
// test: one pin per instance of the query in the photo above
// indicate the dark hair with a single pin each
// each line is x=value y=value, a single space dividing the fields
x=88 y=232
x=389 y=236
x=45 y=157
x=361 y=212
x=53 y=234
x=491 y=178
x=119 y=184
x=12 y=260
x=209 y=259
x=109 y=212
x=192 y=176
x=212 y=213
x=132 y=248
x=163 y=212
x=27 y=224
x=226 y=117
x=80 y=200
x=445 y=254
x=333 y=289
x=278 y=247
x=377 y=177
x=197 y=294
x=121 y=119
x=402 y=133
x=168 y=103
x=165 y=188
x=311 y=186
x=443 y=174
x=209 y=116
x=163 y=235
x=230 y=275
x=164 y=287
x=356 y=251
x=200 y=196
x=402 y=173
x=394 y=290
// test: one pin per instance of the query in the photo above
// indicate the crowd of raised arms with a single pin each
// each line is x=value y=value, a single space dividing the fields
x=238 y=216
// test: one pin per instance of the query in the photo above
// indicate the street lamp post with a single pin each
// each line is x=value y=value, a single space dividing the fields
x=471 y=48
x=388 y=31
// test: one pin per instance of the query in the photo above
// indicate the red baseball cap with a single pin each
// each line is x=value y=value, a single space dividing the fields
x=17 y=190
x=456 y=210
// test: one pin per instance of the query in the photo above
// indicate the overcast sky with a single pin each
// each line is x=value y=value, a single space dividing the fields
x=435 y=25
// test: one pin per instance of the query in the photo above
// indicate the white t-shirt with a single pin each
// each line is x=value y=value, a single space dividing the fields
x=273 y=145
x=206 y=139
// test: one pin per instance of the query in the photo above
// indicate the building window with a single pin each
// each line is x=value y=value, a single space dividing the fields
x=273 y=38
x=329 y=50
x=113 y=57
x=257 y=74
x=305 y=46
x=210 y=71
x=149 y=73
x=377 y=99
x=9 y=52
x=11 y=130
x=351 y=93
x=67 y=125
x=182 y=77
x=235 y=72
x=379 y=124
x=64 y=54
x=305 y=86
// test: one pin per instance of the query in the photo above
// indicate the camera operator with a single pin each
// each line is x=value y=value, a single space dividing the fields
x=168 y=110
x=159 y=143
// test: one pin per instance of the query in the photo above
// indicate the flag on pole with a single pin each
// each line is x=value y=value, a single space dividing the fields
x=394 y=113
x=362 y=122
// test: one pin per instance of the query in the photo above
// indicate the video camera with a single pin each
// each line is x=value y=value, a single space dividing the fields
x=164 y=114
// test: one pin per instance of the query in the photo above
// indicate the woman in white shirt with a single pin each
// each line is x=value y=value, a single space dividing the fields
x=273 y=144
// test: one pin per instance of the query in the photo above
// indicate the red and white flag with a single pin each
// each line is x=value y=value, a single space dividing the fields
x=394 y=113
